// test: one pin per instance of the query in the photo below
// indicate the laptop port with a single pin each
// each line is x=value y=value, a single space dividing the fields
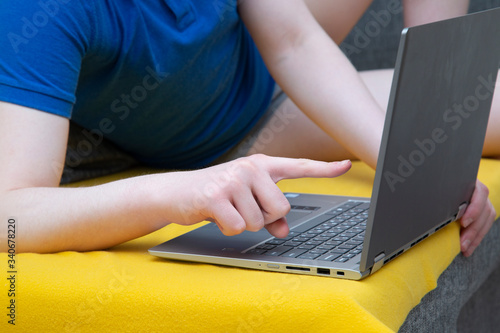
x=298 y=268
x=324 y=271
x=340 y=273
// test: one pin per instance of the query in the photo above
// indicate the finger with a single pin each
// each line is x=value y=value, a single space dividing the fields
x=475 y=232
x=477 y=204
x=469 y=233
x=278 y=228
x=470 y=240
x=228 y=219
x=288 y=168
x=247 y=206
x=272 y=201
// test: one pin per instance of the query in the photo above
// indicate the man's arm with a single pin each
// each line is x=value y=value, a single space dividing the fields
x=239 y=195
x=418 y=12
x=315 y=74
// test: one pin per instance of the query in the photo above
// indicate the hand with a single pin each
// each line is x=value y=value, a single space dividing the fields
x=477 y=220
x=242 y=194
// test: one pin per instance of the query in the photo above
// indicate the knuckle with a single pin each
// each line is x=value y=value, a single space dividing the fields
x=256 y=224
x=280 y=209
x=258 y=157
x=284 y=207
x=255 y=227
x=475 y=227
x=233 y=230
x=243 y=167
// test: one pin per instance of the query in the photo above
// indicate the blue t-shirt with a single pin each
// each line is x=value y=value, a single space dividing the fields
x=175 y=83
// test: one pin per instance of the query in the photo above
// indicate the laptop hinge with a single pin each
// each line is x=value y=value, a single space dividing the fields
x=378 y=262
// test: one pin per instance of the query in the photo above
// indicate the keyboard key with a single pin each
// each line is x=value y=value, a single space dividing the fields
x=330 y=234
x=307 y=247
x=364 y=205
x=278 y=251
x=333 y=242
x=266 y=247
x=292 y=243
x=342 y=259
x=350 y=223
x=290 y=235
x=308 y=255
x=328 y=257
x=315 y=243
x=293 y=253
x=353 y=242
x=321 y=238
x=344 y=216
x=331 y=223
x=275 y=241
x=311 y=224
x=338 y=251
x=346 y=247
x=326 y=247
x=317 y=251
x=302 y=238
x=344 y=207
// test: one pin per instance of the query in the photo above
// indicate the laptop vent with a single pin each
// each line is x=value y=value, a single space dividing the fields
x=419 y=240
x=394 y=256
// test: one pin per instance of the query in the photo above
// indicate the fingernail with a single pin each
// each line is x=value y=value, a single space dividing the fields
x=470 y=251
x=465 y=245
x=467 y=222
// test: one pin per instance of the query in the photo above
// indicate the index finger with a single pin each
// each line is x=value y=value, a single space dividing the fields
x=288 y=168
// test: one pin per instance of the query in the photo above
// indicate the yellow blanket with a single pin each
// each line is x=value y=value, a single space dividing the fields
x=125 y=289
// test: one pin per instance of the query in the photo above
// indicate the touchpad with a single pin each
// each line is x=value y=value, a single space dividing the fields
x=294 y=215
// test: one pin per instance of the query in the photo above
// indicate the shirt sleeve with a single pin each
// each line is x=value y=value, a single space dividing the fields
x=42 y=45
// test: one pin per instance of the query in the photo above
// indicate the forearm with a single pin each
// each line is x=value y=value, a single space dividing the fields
x=315 y=74
x=418 y=12
x=81 y=219
x=324 y=84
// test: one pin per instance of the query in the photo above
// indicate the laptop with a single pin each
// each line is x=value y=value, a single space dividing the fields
x=426 y=172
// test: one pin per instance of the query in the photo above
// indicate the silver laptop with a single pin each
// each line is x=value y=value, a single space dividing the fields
x=429 y=157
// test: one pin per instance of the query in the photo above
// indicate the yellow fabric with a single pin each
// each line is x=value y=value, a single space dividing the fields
x=125 y=289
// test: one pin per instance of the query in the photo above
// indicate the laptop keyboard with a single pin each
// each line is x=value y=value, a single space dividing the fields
x=337 y=236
